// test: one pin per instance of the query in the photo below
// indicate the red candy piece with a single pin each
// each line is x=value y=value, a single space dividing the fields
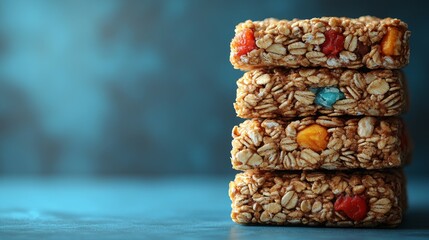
x=354 y=207
x=334 y=43
x=244 y=42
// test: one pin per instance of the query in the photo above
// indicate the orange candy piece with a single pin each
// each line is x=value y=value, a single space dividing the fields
x=314 y=137
x=391 y=43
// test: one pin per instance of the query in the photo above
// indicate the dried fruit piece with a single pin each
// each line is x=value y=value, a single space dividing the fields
x=362 y=49
x=391 y=43
x=243 y=42
x=327 y=96
x=314 y=137
x=334 y=43
x=355 y=207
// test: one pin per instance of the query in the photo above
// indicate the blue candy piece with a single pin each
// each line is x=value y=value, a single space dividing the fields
x=326 y=97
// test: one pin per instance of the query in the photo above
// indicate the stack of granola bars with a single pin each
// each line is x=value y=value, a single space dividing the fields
x=323 y=143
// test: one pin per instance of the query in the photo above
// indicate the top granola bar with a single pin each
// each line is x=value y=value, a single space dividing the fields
x=330 y=42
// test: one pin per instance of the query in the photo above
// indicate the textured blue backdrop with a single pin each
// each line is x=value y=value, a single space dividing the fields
x=145 y=87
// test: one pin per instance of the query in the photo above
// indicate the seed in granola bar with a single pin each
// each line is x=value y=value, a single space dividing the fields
x=327 y=96
x=243 y=42
x=355 y=207
x=314 y=137
x=334 y=43
x=391 y=42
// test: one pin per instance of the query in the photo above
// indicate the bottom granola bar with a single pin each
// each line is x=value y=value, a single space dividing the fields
x=336 y=199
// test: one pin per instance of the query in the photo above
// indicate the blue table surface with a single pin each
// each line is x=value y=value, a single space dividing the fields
x=162 y=208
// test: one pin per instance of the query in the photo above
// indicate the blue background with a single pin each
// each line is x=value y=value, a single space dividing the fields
x=145 y=88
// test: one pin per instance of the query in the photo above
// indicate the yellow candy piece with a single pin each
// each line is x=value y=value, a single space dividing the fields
x=391 y=43
x=314 y=137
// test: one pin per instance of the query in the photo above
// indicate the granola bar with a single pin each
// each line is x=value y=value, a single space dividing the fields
x=279 y=92
x=319 y=143
x=330 y=42
x=335 y=199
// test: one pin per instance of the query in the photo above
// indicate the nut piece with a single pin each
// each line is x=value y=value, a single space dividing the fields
x=391 y=43
x=366 y=126
x=378 y=87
